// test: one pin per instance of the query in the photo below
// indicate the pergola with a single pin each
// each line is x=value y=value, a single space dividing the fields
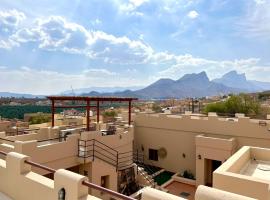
x=88 y=105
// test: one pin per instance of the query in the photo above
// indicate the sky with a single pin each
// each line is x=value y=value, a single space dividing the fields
x=49 y=46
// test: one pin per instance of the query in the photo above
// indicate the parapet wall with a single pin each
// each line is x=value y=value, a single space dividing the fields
x=177 y=135
x=241 y=126
x=20 y=183
x=57 y=155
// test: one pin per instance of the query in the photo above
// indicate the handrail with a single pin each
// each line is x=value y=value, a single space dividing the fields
x=125 y=157
x=113 y=193
x=106 y=150
x=105 y=153
x=51 y=139
x=97 y=156
x=40 y=166
x=125 y=161
x=126 y=152
x=106 y=145
x=3 y=153
x=7 y=140
x=106 y=156
x=85 y=183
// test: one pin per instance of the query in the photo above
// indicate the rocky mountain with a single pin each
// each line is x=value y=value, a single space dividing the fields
x=236 y=80
x=190 y=85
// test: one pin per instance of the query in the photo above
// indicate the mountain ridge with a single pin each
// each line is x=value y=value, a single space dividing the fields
x=189 y=85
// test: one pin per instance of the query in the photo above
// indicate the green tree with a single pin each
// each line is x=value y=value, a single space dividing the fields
x=236 y=104
x=156 y=108
x=111 y=113
x=39 y=119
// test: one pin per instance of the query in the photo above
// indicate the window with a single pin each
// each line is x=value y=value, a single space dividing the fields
x=153 y=154
x=105 y=181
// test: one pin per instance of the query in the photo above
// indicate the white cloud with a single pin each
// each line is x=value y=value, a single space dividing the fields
x=26 y=35
x=131 y=7
x=256 y=22
x=57 y=34
x=99 y=72
x=10 y=19
x=9 y=22
x=193 y=14
x=8 y=44
x=183 y=64
x=260 y=1
x=96 y=22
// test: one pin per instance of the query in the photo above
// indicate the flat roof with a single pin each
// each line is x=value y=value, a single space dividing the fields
x=89 y=98
x=257 y=168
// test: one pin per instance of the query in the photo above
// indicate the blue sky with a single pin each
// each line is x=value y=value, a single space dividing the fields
x=47 y=46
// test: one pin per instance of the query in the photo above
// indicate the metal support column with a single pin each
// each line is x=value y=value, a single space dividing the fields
x=97 y=111
x=53 y=111
x=129 y=112
x=88 y=116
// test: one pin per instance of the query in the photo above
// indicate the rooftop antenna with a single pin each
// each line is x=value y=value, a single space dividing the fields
x=72 y=91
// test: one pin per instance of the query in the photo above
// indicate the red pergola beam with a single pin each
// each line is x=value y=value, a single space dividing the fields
x=75 y=106
x=88 y=106
x=81 y=98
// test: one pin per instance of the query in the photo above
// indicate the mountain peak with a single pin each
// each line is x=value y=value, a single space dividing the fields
x=236 y=80
x=234 y=75
x=202 y=76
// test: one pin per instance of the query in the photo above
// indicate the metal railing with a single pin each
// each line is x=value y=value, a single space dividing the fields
x=7 y=140
x=96 y=149
x=85 y=183
x=52 y=139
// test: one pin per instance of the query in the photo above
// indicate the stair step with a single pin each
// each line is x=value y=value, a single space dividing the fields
x=157 y=173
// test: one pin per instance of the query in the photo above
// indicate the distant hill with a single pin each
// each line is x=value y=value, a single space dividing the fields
x=79 y=91
x=263 y=85
x=19 y=95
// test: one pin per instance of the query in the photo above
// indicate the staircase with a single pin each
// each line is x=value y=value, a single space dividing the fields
x=144 y=170
x=148 y=178
x=89 y=150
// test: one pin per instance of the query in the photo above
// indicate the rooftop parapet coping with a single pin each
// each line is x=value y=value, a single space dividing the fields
x=209 y=193
x=240 y=115
x=71 y=182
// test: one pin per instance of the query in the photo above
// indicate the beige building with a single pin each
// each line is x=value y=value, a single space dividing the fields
x=195 y=143
x=158 y=155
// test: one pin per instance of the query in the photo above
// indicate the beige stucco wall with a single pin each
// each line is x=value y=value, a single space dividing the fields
x=228 y=176
x=58 y=155
x=65 y=154
x=211 y=148
x=121 y=141
x=177 y=135
x=5 y=125
x=20 y=183
x=208 y=193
